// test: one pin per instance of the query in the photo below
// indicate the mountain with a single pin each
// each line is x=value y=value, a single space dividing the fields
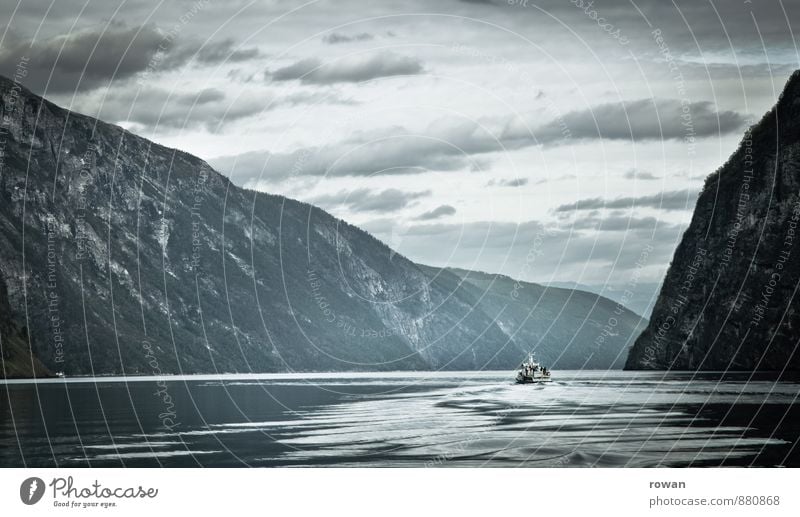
x=17 y=358
x=639 y=298
x=122 y=255
x=567 y=328
x=729 y=299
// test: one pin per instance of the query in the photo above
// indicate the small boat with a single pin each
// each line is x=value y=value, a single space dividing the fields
x=531 y=371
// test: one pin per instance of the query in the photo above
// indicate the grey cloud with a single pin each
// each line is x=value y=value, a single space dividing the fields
x=351 y=69
x=88 y=59
x=538 y=252
x=444 y=146
x=616 y=223
x=452 y=144
x=367 y=200
x=209 y=108
x=687 y=25
x=701 y=71
x=118 y=52
x=644 y=119
x=436 y=213
x=224 y=51
x=338 y=37
x=635 y=174
x=481 y=234
x=156 y=107
x=514 y=182
x=208 y=53
x=297 y=98
x=333 y=161
x=674 y=200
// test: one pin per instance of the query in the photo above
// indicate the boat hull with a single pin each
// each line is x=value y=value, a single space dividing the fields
x=526 y=379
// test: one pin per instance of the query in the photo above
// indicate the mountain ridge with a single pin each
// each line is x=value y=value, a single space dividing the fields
x=131 y=257
x=728 y=301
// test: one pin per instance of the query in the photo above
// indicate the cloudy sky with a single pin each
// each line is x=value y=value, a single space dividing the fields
x=548 y=140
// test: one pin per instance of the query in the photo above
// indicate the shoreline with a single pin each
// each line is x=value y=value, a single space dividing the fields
x=395 y=374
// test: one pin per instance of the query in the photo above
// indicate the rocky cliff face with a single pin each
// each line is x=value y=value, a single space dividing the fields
x=17 y=358
x=730 y=298
x=565 y=328
x=125 y=256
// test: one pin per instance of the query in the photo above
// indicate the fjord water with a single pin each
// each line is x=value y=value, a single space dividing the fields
x=582 y=419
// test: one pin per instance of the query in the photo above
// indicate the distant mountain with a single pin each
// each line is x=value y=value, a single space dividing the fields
x=121 y=255
x=567 y=328
x=730 y=300
x=639 y=298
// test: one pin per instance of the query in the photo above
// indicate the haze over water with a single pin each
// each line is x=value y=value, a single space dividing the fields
x=582 y=419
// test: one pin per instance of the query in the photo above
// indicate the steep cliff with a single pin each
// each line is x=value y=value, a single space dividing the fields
x=729 y=300
x=17 y=358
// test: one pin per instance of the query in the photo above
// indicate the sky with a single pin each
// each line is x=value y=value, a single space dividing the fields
x=551 y=141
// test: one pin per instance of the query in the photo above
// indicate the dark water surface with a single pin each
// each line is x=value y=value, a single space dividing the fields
x=582 y=419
